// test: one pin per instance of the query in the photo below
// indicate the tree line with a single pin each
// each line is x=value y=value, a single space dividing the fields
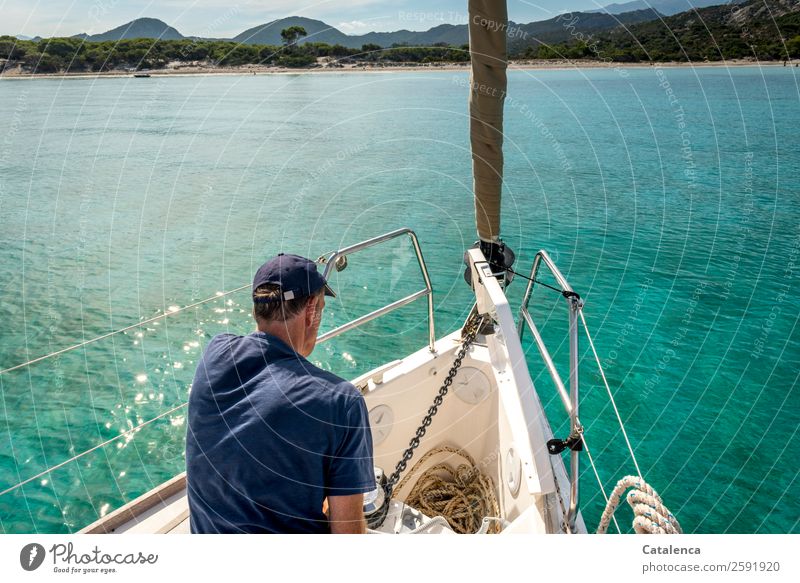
x=73 y=54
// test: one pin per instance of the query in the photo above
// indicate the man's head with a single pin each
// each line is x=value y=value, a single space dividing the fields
x=288 y=299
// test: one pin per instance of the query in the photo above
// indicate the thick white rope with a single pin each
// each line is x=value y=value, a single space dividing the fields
x=650 y=514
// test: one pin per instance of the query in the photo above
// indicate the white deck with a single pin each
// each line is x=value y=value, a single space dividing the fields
x=171 y=517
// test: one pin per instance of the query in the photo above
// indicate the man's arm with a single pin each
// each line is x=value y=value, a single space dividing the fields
x=347 y=514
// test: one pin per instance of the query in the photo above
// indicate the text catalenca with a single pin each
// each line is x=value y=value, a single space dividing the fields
x=670 y=550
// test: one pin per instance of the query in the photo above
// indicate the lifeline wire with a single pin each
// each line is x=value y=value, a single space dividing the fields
x=517 y=273
x=126 y=328
x=90 y=450
x=63 y=350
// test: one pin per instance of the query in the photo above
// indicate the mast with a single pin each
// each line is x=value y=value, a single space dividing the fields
x=488 y=23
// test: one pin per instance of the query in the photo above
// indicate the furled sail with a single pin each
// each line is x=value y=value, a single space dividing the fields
x=488 y=21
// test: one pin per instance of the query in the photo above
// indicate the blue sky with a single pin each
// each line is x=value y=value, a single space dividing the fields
x=221 y=18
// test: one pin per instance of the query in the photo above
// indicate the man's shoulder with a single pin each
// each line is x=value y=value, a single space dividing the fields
x=223 y=341
x=254 y=347
x=337 y=385
x=239 y=347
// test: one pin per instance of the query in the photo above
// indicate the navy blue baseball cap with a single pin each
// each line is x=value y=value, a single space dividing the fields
x=297 y=277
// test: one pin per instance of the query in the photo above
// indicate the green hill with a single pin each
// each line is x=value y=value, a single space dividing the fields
x=570 y=25
x=139 y=28
x=520 y=36
x=759 y=29
x=270 y=33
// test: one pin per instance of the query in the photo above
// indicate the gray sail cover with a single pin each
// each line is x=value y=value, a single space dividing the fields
x=488 y=23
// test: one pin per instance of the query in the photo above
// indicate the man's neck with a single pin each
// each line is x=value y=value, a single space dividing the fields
x=290 y=335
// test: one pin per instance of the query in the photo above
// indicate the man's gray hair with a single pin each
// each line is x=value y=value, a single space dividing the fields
x=272 y=309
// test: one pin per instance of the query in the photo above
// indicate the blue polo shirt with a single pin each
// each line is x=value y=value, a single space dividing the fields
x=269 y=436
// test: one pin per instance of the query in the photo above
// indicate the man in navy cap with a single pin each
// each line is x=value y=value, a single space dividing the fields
x=271 y=436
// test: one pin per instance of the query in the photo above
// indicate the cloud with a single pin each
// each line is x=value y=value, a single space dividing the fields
x=352 y=25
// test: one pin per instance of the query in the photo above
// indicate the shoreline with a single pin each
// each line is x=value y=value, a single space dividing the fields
x=533 y=65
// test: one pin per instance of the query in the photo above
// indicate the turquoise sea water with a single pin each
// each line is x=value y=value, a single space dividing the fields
x=670 y=199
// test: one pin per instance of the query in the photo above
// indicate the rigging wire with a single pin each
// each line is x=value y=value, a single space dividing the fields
x=610 y=396
x=125 y=329
x=90 y=341
x=534 y=280
x=90 y=450
x=597 y=476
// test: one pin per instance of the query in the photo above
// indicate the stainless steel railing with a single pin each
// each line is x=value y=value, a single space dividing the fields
x=337 y=260
x=571 y=400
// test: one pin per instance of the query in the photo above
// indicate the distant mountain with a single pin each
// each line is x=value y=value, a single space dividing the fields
x=139 y=28
x=520 y=35
x=565 y=27
x=666 y=7
x=451 y=34
x=318 y=31
x=270 y=33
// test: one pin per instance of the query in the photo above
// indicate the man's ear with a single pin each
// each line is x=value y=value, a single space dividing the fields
x=310 y=311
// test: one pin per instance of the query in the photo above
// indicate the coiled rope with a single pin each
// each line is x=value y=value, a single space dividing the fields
x=650 y=514
x=464 y=496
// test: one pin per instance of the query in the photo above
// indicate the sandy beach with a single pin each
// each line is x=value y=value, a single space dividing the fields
x=185 y=70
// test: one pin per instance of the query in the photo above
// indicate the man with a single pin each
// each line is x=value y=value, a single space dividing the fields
x=271 y=436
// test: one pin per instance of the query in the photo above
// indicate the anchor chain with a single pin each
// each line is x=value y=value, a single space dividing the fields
x=469 y=332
